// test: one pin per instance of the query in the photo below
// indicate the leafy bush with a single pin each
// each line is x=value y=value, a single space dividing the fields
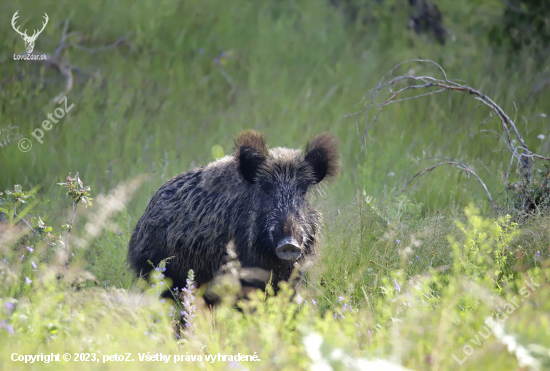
x=531 y=197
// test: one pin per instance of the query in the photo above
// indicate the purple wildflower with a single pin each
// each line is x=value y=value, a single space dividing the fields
x=299 y=299
x=201 y=50
x=313 y=302
x=342 y=316
x=538 y=253
x=398 y=241
x=163 y=301
x=9 y=305
x=217 y=60
x=120 y=234
x=33 y=265
x=4 y=325
x=397 y=286
x=157 y=269
x=28 y=280
x=21 y=258
x=30 y=249
x=417 y=258
x=335 y=315
x=152 y=285
x=188 y=302
x=340 y=298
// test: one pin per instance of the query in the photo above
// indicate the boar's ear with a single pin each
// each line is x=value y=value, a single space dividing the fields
x=322 y=155
x=250 y=151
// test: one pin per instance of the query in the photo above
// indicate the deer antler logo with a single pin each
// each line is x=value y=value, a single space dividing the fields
x=29 y=40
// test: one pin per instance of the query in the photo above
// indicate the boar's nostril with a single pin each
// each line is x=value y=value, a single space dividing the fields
x=288 y=249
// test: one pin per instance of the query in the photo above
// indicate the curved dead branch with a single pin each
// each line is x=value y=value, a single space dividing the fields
x=448 y=161
x=521 y=153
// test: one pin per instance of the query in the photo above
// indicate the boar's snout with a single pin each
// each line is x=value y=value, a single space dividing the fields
x=288 y=249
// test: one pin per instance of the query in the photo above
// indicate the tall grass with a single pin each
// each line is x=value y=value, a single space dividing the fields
x=158 y=103
x=401 y=278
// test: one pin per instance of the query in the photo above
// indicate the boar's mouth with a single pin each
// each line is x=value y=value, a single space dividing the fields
x=288 y=249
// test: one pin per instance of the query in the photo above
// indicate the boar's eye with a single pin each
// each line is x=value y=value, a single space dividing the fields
x=268 y=189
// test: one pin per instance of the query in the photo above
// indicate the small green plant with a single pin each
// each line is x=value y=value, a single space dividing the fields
x=9 y=201
x=77 y=190
x=79 y=193
x=30 y=252
x=486 y=252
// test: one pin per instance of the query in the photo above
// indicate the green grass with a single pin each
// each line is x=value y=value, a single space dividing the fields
x=157 y=103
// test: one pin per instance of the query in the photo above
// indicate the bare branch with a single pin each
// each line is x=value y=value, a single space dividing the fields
x=449 y=161
x=101 y=48
x=66 y=71
x=386 y=86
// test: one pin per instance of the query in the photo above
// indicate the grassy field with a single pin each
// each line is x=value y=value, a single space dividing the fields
x=159 y=87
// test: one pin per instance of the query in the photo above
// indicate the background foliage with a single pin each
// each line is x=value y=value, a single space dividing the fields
x=419 y=274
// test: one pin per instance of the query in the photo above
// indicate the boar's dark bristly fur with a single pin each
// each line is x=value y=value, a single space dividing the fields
x=255 y=197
